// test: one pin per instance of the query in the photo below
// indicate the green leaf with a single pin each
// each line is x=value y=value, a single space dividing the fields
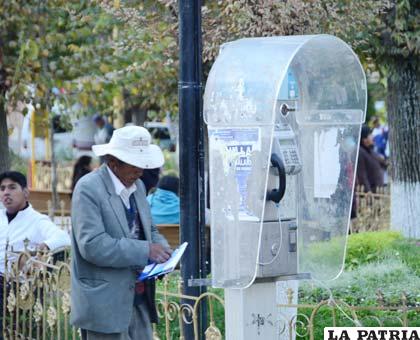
x=32 y=50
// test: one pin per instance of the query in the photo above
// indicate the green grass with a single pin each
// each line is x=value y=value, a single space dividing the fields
x=375 y=261
x=369 y=247
x=360 y=287
x=408 y=251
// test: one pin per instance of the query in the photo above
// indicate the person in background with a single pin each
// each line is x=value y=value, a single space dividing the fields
x=150 y=178
x=82 y=167
x=19 y=221
x=104 y=130
x=164 y=201
x=380 y=136
x=370 y=166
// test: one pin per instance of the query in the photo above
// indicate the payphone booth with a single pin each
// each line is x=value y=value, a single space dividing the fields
x=284 y=116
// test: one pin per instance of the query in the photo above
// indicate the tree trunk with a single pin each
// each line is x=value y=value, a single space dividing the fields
x=136 y=115
x=404 y=123
x=4 y=139
x=54 y=179
x=139 y=116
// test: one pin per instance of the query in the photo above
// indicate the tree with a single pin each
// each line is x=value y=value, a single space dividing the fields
x=395 y=45
x=35 y=37
x=102 y=59
x=4 y=149
x=384 y=34
x=149 y=32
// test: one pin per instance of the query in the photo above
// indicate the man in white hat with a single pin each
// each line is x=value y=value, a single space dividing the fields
x=113 y=238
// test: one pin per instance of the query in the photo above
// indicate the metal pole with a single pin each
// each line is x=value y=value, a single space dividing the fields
x=191 y=154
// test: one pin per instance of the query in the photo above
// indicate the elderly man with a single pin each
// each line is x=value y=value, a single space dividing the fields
x=19 y=221
x=113 y=239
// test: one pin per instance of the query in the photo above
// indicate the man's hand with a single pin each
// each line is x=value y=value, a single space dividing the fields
x=159 y=253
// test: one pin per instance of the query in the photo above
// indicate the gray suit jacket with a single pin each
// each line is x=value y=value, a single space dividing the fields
x=104 y=256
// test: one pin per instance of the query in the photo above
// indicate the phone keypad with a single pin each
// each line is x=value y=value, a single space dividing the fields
x=291 y=160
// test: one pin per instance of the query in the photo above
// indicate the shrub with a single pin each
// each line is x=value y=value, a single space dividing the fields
x=17 y=163
x=369 y=247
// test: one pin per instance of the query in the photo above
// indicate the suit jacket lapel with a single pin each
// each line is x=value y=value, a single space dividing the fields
x=117 y=207
x=114 y=200
x=142 y=205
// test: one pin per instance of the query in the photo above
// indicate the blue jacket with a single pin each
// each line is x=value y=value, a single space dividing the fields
x=164 y=206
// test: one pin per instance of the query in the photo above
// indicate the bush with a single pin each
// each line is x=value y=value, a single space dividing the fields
x=17 y=163
x=369 y=247
x=360 y=286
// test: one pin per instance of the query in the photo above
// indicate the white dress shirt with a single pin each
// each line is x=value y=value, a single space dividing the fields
x=32 y=225
x=121 y=190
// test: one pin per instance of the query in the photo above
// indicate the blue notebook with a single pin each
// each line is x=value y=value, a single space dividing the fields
x=156 y=269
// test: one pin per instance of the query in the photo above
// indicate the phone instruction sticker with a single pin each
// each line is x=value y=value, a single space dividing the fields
x=236 y=146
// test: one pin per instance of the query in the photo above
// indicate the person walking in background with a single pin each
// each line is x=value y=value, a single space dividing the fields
x=164 y=201
x=82 y=167
x=104 y=131
x=370 y=165
x=380 y=136
x=113 y=239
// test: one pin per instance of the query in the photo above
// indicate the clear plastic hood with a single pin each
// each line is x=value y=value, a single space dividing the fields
x=314 y=88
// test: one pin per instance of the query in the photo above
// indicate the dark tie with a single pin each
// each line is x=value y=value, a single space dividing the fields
x=134 y=221
x=136 y=228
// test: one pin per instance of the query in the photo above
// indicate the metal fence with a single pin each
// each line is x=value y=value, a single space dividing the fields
x=372 y=210
x=42 y=176
x=36 y=295
x=37 y=306
x=310 y=320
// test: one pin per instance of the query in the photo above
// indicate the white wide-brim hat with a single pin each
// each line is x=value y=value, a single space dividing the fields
x=131 y=144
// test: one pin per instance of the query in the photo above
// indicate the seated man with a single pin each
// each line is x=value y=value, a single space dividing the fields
x=19 y=221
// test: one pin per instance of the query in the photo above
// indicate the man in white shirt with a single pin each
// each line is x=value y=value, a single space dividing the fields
x=19 y=221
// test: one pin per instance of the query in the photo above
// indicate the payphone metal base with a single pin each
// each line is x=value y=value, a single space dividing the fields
x=292 y=277
x=278 y=255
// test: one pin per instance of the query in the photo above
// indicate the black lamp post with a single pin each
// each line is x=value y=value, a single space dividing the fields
x=191 y=156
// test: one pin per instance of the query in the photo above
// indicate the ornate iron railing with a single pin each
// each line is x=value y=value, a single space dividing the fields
x=372 y=210
x=310 y=319
x=37 y=306
x=36 y=296
x=43 y=175
x=177 y=311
